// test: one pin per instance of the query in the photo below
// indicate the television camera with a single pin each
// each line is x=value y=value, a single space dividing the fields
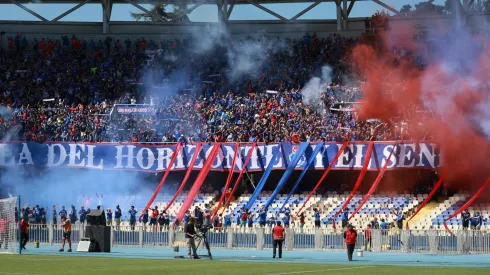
x=201 y=238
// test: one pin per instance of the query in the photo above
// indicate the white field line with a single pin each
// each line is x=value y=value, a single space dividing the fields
x=321 y=270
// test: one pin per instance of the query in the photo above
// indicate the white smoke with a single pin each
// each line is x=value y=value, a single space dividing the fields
x=313 y=90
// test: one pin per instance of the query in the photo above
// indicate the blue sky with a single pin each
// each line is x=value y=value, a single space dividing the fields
x=204 y=13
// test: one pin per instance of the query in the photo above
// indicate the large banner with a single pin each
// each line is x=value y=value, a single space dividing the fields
x=153 y=158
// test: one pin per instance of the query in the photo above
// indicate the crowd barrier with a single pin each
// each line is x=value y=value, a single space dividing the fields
x=405 y=241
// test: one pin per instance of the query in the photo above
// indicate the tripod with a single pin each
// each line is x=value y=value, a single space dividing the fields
x=200 y=238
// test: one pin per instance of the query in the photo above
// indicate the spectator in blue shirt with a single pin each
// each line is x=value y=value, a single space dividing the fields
x=465 y=217
x=73 y=215
x=399 y=219
x=132 y=217
x=55 y=215
x=345 y=217
x=287 y=217
x=63 y=212
x=476 y=221
x=262 y=217
x=83 y=215
x=250 y=220
x=316 y=217
x=384 y=227
x=145 y=219
x=37 y=214
x=109 y=216
x=227 y=220
x=187 y=217
x=43 y=215
x=117 y=217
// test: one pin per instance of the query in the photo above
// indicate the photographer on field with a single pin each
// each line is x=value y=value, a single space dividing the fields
x=190 y=233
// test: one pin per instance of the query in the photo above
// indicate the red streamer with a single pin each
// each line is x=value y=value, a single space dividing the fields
x=431 y=194
x=162 y=181
x=358 y=182
x=244 y=168
x=228 y=180
x=199 y=181
x=375 y=184
x=332 y=163
x=466 y=205
x=187 y=175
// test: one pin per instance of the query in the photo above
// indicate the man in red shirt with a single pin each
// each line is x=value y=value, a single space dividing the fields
x=350 y=236
x=24 y=237
x=278 y=238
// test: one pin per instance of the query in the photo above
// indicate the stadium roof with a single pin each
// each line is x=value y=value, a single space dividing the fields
x=166 y=1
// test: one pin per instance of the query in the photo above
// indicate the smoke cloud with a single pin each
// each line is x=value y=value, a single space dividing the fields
x=312 y=91
x=76 y=186
x=452 y=89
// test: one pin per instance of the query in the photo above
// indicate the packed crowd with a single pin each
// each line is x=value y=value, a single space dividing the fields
x=63 y=89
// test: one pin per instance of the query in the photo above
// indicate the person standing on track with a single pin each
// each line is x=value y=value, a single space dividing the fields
x=24 y=237
x=278 y=235
x=66 y=224
x=190 y=232
x=350 y=236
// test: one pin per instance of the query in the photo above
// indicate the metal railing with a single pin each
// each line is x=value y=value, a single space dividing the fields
x=406 y=241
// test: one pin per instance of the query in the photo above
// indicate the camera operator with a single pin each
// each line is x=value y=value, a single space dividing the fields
x=190 y=233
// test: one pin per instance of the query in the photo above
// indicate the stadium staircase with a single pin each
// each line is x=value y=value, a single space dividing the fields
x=428 y=208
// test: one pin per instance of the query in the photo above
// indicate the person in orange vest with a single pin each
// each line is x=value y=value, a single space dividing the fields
x=66 y=224
x=278 y=237
x=350 y=236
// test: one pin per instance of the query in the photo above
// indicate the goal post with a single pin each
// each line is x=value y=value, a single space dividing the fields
x=9 y=233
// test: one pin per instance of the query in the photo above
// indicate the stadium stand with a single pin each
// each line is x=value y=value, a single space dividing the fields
x=50 y=105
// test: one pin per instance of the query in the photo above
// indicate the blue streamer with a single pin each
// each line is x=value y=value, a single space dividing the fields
x=318 y=147
x=287 y=173
x=264 y=177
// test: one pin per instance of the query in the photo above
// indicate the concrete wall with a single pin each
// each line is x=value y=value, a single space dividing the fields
x=157 y=31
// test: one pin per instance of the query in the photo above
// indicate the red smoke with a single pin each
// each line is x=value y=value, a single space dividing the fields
x=395 y=87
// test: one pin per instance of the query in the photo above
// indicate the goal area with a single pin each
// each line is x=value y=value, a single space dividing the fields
x=9 y=239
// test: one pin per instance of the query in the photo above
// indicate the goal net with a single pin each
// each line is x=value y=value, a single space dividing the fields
x=8 y=226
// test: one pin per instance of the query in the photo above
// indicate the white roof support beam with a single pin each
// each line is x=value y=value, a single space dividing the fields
x=342 y=12
x=186 y=11
x=351 y=5
x=266 y=10
x=29 y=10
x=70 y=11
x=306 y=10
x=230 y=10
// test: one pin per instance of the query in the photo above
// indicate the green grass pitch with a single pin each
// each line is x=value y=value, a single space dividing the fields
x=63 y=265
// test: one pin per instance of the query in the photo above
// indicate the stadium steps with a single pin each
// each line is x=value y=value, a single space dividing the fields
x=428 y=208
